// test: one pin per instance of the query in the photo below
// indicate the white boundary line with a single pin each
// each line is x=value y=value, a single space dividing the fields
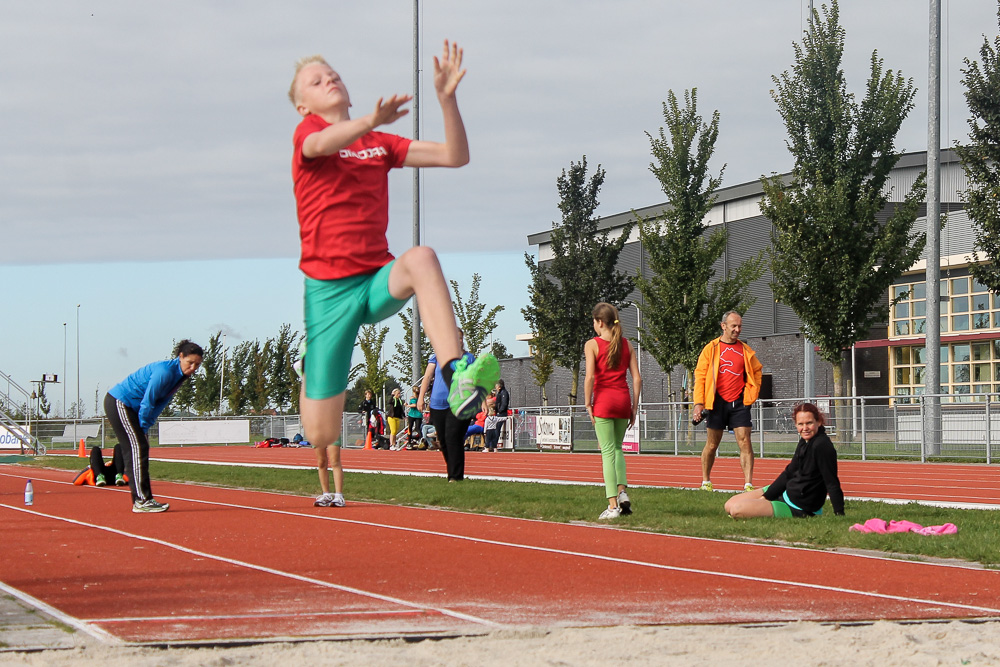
x=586 y=525
x=262 y=568
x=578 y=554
x=403 y=473
x=62 y=617
x=261 y=615
x=599 y=557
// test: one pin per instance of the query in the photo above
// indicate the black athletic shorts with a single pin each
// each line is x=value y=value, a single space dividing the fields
x=727 y=415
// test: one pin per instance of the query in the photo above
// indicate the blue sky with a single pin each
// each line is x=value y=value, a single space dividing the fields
x=130 y=313
x=145 y=147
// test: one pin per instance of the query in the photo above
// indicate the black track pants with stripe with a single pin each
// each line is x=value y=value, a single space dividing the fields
x=135 y=447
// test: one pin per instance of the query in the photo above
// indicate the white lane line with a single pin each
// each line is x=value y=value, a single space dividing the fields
x=567 y=482
x=750 y=544
x=730 y=575
x=62 y=617
x=600 y=557
x=262 y=615
x=269 y=570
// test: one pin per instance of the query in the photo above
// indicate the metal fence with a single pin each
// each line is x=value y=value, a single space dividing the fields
x=958 y=427
x=920 y=427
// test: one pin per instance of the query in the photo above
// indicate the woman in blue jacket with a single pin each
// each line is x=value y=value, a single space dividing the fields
x=132 y=407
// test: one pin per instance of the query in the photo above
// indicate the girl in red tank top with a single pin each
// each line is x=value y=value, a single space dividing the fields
x=612 y=408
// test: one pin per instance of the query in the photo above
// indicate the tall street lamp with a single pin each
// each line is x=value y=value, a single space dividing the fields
x=76 y=415
x=64 y=371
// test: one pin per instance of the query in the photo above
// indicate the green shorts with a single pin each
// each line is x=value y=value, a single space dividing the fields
x=784 y=510
x=334 y=312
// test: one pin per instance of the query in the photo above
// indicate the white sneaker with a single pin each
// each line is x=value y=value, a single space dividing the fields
x=337 y=501
x=747 y=487
x=610 y=513
x=324 y=500
x=624 y=504
x=706 y=486
x=147 y=506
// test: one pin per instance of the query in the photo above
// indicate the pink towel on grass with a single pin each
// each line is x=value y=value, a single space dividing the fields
x=881 y=527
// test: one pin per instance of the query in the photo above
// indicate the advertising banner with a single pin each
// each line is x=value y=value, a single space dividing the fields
x=8 y=440
x=552 y=432
x=192 y=432
x=631 y=441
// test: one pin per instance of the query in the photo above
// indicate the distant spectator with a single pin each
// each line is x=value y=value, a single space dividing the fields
x=366 y=409
x=397 y=407
x=413 y=416
x=491 y=429
x=502 y=406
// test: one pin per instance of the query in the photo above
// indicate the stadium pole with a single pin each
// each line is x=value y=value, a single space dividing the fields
x=415 y=322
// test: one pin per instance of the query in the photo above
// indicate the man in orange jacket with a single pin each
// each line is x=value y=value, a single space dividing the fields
x=726 y=383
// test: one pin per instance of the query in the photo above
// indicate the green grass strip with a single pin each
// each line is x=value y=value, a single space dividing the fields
x=657 y=510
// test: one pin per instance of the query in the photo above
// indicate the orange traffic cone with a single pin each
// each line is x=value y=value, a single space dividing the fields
x=82 y=452
x=368 y=440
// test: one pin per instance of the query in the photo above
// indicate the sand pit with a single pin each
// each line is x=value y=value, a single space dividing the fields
x=883 y=643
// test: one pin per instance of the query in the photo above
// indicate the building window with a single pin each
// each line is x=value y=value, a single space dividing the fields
x=966 y=368
x=966 y=306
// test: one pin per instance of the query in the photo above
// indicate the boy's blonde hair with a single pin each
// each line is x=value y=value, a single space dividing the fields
x=302 y=62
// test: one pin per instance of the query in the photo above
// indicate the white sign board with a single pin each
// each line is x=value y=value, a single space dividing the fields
x=195 y=432
x=631 y=441
x=552 y=432
x=8 y=440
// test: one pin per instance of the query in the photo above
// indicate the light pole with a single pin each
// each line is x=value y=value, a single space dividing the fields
x=222 y=372
x=76 y=415
x=64 y=371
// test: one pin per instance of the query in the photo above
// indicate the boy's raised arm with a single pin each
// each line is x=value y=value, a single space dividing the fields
x=454 y=152
x=343 y=133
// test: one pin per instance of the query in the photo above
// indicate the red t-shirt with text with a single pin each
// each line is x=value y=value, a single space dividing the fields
x=343 y=202
x=730 y=381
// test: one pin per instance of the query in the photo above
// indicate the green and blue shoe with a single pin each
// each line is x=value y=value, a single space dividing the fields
x=470 y=383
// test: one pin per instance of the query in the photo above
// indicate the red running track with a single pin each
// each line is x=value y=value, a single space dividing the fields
x=973 y=485
x=236 y=565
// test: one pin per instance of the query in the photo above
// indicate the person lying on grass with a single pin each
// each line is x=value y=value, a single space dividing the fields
x=802 y=487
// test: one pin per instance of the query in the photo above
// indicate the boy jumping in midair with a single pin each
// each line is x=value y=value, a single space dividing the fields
x=340 y=170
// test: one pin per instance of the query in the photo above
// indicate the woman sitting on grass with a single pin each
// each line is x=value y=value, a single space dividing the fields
x=801 y=489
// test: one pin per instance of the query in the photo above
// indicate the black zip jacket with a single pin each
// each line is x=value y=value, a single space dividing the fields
x=810 y=476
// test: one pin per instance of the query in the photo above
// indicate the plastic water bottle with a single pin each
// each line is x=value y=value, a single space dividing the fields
x=29 y=494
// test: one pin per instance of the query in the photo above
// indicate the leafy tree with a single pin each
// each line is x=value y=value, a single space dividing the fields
x=237 y=367
x=373 y=370
x=402 y=360
x=44 y=406
x=257 y=385
x=981 y=160
x=542 y=366
x=499 y=350
x=832 y=260
x=283 y=381
x=582 y=272
x=681 y=309
x=469 y=313
x=76 y=410
x=206 y=389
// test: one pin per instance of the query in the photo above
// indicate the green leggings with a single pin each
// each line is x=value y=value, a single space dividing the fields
x=610 y=434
